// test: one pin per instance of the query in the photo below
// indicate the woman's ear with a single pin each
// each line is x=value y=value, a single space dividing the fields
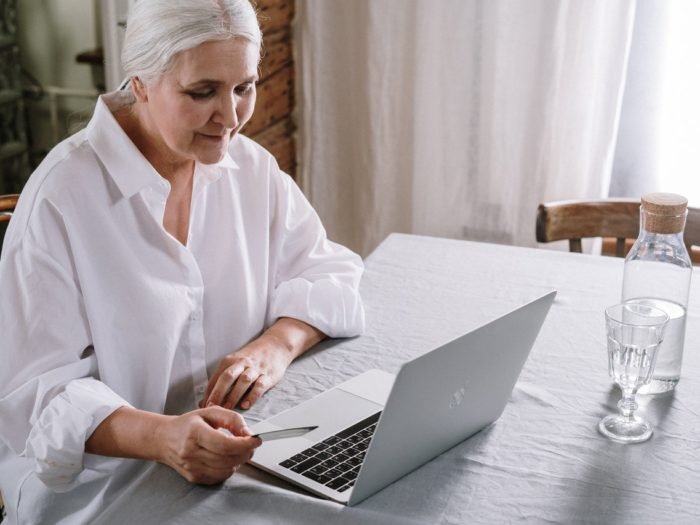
x=138 y=88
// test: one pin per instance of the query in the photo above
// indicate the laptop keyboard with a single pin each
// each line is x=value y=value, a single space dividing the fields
x=335 y=461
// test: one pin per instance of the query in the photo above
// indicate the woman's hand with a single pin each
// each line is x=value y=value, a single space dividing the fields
x=244 y=376
x=198 y=451
x=192 y=443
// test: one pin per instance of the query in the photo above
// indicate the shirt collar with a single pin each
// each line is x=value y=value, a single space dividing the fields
x=127 y=166
x=227 y=162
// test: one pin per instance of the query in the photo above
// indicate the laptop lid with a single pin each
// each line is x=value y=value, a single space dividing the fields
x=446 y=395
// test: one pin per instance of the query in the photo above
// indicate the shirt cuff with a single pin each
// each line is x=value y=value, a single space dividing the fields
x=332 y=307
x=56 y=442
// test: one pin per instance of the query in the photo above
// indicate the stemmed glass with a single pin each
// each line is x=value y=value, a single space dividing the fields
x=634 y=332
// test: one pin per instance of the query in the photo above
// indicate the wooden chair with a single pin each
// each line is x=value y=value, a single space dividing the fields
x=607 y=218
x=7 y=206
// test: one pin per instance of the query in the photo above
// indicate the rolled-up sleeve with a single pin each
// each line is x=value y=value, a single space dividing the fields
x=51 y=399
x=314 y=280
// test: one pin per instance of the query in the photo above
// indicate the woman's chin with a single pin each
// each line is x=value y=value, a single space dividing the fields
x=212 y=155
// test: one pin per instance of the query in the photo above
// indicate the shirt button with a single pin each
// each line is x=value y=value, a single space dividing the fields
x=201 y=389
x=196 y=315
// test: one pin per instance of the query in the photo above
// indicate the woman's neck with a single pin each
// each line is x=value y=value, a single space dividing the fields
x=135 y=124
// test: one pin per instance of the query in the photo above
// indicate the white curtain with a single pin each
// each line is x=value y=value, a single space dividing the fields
x=456 y=117
x=657 y=147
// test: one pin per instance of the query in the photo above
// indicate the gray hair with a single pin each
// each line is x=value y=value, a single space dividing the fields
x=157 y=30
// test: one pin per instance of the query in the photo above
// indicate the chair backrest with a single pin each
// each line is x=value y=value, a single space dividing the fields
x=7 y=206
x=617 y=218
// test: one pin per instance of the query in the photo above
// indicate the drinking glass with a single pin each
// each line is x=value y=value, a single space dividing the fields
x=635 y=332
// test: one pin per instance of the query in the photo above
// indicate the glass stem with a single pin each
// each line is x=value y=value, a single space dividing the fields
x=627 y=404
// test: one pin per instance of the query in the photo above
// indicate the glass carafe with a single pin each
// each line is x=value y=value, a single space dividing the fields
x=657 y=273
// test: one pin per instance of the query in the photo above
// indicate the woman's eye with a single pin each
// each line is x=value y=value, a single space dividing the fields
x=244 y=88
x=200 y=95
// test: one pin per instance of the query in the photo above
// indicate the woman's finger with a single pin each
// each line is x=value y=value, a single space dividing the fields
x=225 y=363
x=205 y=474
x=219 y=418
x=224 y=461
x=262 y=385
x=223 y=384
x=222 y=444
x=243 y=383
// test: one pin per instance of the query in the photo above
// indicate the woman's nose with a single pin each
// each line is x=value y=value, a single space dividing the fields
x=226 y=113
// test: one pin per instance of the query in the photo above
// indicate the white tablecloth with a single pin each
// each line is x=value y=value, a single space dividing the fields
x=541 y=462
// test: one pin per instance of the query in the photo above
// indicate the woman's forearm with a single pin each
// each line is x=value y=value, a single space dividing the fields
x=294 y=335
x=127 y=433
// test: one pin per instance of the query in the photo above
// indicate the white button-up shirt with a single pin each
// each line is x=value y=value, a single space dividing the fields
x=100 y=307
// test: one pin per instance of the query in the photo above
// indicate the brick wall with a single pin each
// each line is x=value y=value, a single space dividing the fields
x=272 y=124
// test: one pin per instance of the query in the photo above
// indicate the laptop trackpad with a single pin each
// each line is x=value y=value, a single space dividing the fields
x=332 y=411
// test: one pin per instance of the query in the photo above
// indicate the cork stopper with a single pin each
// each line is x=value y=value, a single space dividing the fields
x=664 y=212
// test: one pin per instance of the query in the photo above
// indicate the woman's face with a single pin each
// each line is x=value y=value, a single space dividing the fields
x=196 y=108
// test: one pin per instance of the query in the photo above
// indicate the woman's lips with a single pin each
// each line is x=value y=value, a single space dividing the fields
x=214 y=138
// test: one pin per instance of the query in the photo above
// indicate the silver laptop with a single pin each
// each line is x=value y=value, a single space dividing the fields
x=375 y=428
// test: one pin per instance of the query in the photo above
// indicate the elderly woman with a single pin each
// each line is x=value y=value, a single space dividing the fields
x=159 y=271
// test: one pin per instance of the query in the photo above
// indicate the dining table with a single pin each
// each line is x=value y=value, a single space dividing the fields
x=542 y=461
